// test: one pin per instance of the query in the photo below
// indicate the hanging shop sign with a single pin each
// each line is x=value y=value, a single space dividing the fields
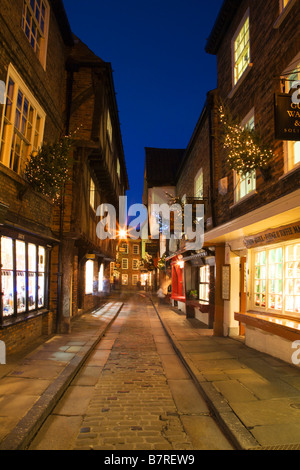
x=279 y=234
x=287 y=118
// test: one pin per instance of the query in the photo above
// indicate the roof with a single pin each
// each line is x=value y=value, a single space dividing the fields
x=224 y=18
x=62 y=20
x=161 y=166
x=82 y=54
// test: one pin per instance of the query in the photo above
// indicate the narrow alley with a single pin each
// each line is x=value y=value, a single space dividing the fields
x=133 y=393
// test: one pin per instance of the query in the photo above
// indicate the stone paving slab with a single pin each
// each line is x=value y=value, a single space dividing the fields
x=44 y=374
x=255 y=397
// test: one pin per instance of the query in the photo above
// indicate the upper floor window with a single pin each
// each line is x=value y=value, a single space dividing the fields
x=198 y=184
x=246 y=183
x=136 y=249
x=241 y=49
x=109 y=128
x=92 y=194
x=35 y=26
x=124 y=248
x=22 y=124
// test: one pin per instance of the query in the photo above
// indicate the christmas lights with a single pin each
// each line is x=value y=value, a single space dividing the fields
x=245 y=151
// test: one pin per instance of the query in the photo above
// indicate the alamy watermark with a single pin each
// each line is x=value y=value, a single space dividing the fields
x=296 y=94
x=187 y=222
x=2 y=353
x=2 y=92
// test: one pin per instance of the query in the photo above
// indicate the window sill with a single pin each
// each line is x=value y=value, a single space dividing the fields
x=243 y=199
x=240 y=81
x=21 y=318
x=284 y=14
x=290 y=172
x=278 y=325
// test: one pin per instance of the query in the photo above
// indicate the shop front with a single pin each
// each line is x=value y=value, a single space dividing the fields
x=260 y=275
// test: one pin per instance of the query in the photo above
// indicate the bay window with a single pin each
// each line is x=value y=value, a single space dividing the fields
x=23 y=276
x=277 y=279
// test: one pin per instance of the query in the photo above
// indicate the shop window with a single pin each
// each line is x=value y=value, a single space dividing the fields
x=241 y=49
x=35 y=26
x=22 y=124
x=89 y=276
x=124 y=279
x=245 y=184
x=135 y=279
x=101 y=279
x=277 y=279
x=23 y=276
x=204 y=284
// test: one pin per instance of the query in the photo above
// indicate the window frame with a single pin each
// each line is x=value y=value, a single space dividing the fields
x=25 y=269
x=8 y=125
x=237 y=179
x=135 y=264
x=205 y=283
x=42 y=55
x=136 y=252
x=284 y=279
x=198 y=193
x=235 y=81
x=125 y=260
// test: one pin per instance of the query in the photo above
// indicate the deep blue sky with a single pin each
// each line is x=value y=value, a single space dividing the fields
x=161 y=71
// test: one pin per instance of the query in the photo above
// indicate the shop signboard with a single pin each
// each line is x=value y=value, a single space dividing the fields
x=287 y=118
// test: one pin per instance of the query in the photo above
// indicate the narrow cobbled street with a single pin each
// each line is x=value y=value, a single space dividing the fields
x=132 y=394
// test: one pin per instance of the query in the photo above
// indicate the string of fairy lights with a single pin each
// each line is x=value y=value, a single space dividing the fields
x=245 y=152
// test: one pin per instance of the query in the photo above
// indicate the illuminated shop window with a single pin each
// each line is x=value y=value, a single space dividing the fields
x=241 y=50
x=22 y=124
x=23 y=276
x=35 y=26
x=277 y=279
x=101 y=279
x=89 y=276
x=204 y=284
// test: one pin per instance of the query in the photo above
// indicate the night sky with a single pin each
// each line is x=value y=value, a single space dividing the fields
x=161 y=70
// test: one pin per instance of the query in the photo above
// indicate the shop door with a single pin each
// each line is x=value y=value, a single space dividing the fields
x=243 y=290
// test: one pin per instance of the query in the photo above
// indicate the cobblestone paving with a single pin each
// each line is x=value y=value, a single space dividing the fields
x=132 y=407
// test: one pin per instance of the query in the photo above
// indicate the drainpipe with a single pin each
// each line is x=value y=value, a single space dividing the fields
x=212 y=168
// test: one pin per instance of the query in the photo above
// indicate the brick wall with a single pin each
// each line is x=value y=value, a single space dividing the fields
x=272 y=50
